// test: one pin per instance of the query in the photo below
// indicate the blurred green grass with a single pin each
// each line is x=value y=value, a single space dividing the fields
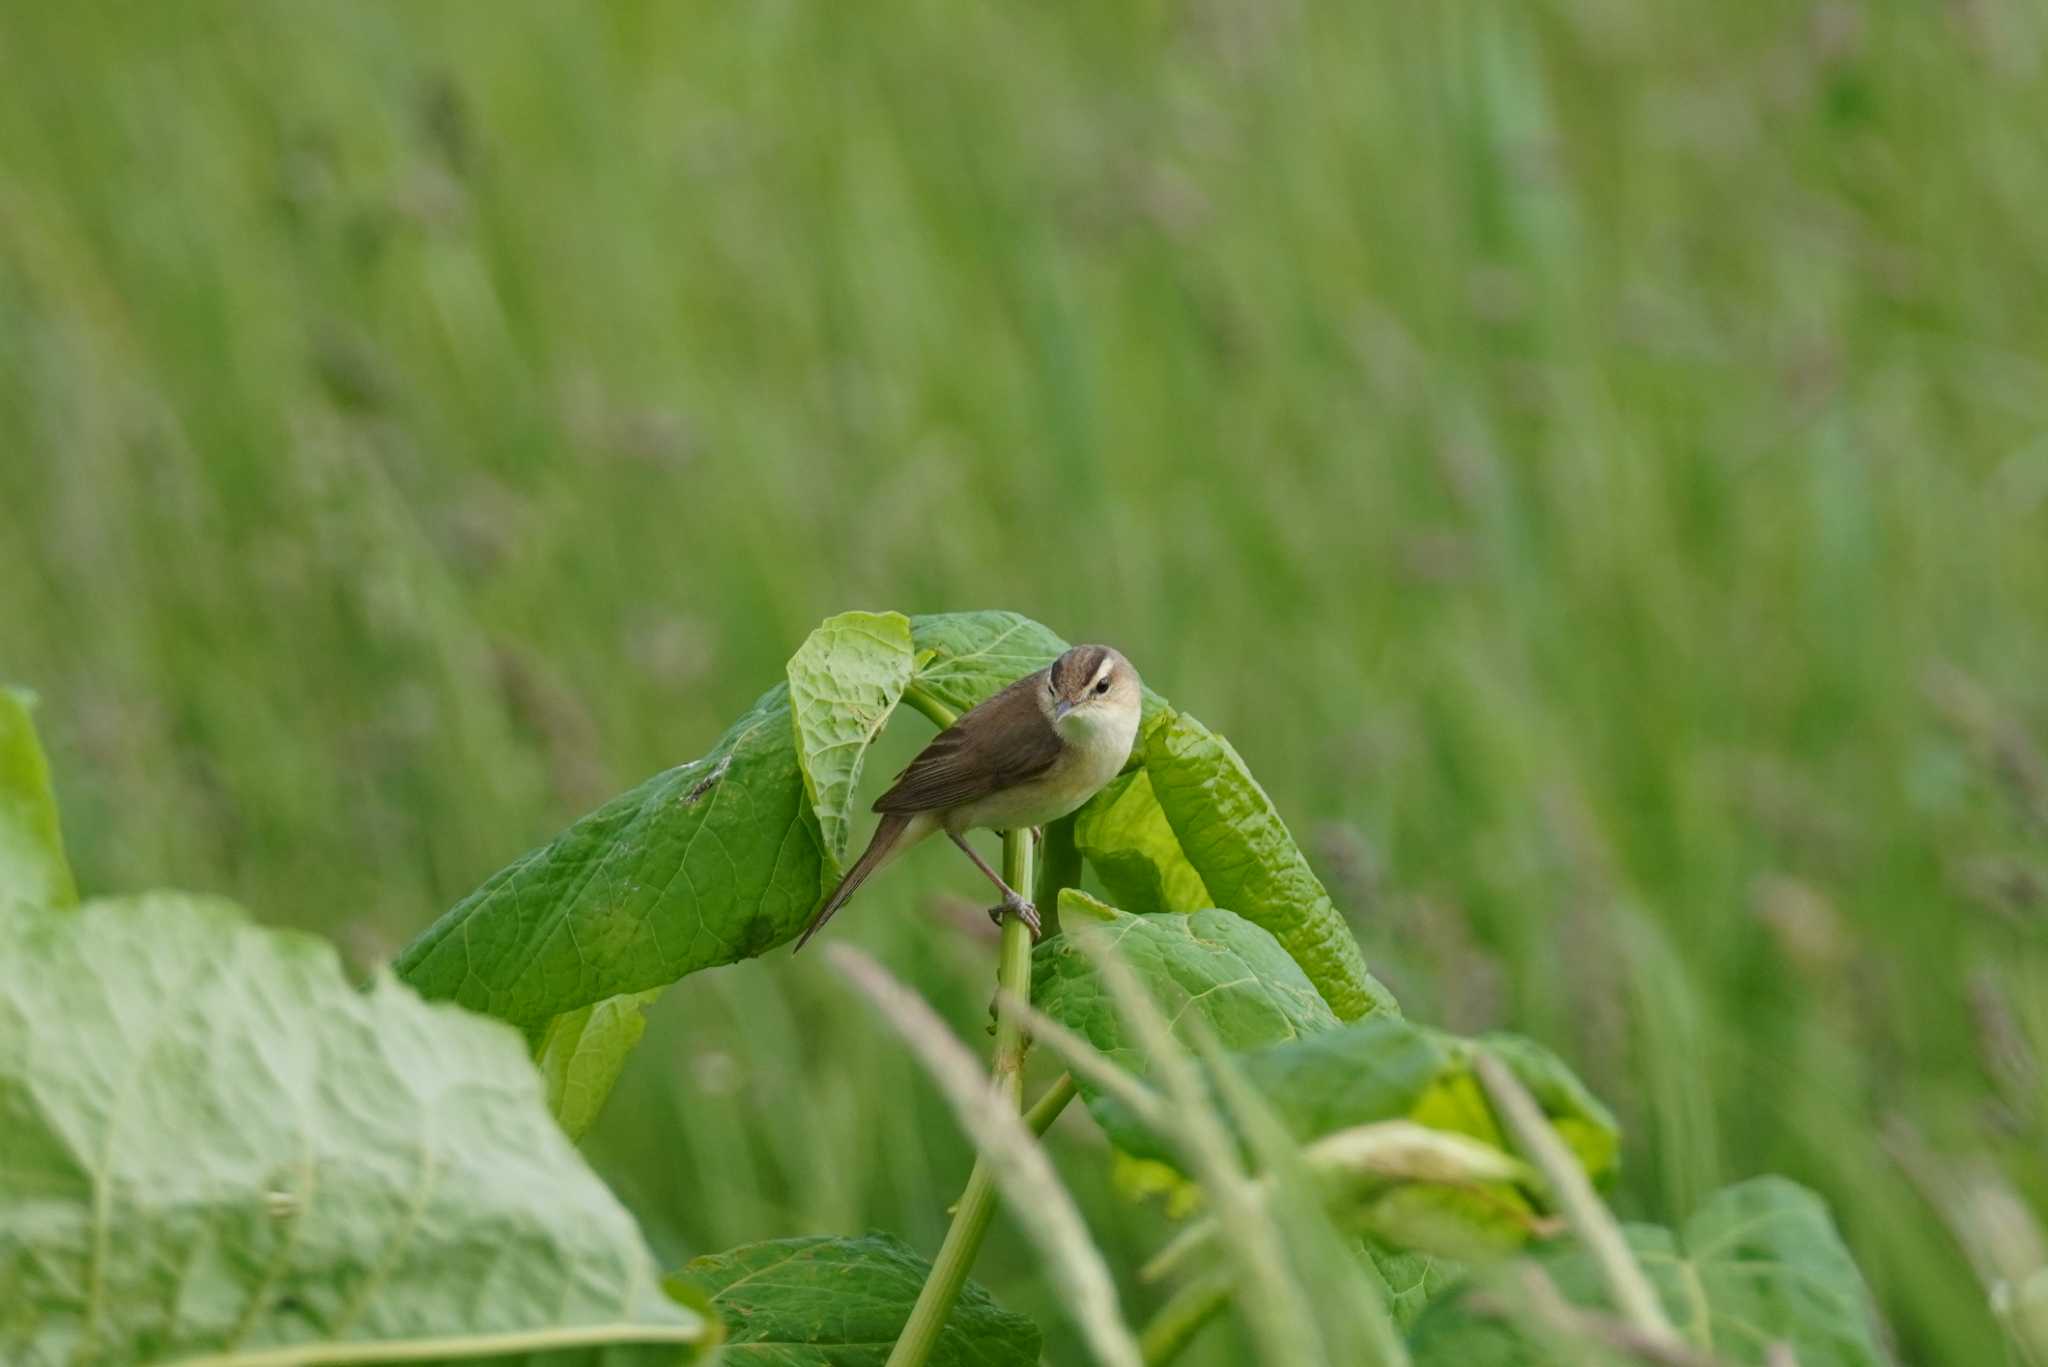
x=1592 y=459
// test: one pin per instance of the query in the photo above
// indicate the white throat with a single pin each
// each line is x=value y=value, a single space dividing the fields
x=1103 y=735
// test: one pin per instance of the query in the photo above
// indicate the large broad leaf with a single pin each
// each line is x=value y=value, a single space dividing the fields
x=828 y=1302
x=1760 y=1263
x=722 y=859
x=1124 y=836
x=1237 y=844
x=843 y=683
x=1209 y=966
x=216 y=1148
x=32 y=864
x=708 y=863
x=976 y=654
x=584 y=1051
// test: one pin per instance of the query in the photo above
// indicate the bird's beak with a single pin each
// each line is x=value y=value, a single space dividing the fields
x=1061 y=708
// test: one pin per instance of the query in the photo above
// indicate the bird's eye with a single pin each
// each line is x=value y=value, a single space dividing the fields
x=1102 y=685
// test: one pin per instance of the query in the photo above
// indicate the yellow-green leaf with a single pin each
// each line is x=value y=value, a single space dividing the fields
x=1317 y=1077
x=32 y=864
x=1235 y=841
x=1126 y=839
x=844 y=681
x=583 y=1052
x=1386 y=1068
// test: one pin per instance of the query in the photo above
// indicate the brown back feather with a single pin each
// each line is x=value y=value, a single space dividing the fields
x=1005 y=740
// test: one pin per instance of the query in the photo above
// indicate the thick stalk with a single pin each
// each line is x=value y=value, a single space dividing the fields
x=921 y=698
x=1047 y=1108
x=978 y=1202
x=1059 y=866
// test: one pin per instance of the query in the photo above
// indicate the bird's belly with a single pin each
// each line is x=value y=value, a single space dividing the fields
x=1073 y=779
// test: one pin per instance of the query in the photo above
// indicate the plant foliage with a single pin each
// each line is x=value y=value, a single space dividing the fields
x=724 y=858
x=220 y=1151
x=1758 y=1264
x=217 y=1148
x=32 y=863
x=840 y=1302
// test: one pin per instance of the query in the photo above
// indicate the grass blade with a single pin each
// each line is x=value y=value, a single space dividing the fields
x=1019 y=1167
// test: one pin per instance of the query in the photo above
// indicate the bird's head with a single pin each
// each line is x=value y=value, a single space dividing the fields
x=1090 y=688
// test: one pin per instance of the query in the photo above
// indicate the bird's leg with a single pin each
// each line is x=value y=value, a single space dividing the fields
x=1009 y=893
x=1013 y=902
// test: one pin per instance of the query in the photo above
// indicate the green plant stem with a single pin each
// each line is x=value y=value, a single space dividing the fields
x=1590 y=1219
x=1047 y=1108
x=1182 y=1317
x=921 y=698
x=1059 y=866
x=978 y=1202
x=971 y=1217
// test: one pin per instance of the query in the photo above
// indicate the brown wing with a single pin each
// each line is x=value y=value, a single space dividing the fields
x=1004 y=741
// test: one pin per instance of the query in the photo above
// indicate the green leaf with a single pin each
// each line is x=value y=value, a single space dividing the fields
x=705 y=864
x=32 y=864
x=1412 y=1281
x=1384 y=1068
x=218 y=1149
x=1237 y=844
x=1382 y=1179
x=1124 y=836
x=1581 y=1119
x=1231 y=837
x=1059 y=866
x=708 y=863
x=1759 y=1263
x=977 y=654
x=1317 y=1077
x=583 y=1052
x=1210 y=965
x=830 y=1302
x=844 y=682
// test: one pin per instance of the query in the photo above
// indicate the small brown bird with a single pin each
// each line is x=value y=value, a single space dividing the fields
x=1031 y=754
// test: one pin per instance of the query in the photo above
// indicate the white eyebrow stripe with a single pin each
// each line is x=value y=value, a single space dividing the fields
x=1102 y=673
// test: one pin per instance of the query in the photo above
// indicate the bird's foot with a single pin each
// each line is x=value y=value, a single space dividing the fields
x=1023 y=910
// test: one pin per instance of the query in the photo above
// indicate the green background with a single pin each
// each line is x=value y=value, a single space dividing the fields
x=1591 y=458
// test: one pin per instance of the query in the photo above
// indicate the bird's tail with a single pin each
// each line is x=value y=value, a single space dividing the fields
x=895 y=833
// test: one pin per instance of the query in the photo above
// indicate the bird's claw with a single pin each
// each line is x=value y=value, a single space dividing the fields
x=1021 y=909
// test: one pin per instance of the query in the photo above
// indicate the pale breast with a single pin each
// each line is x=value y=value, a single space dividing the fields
x=1091 y=759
